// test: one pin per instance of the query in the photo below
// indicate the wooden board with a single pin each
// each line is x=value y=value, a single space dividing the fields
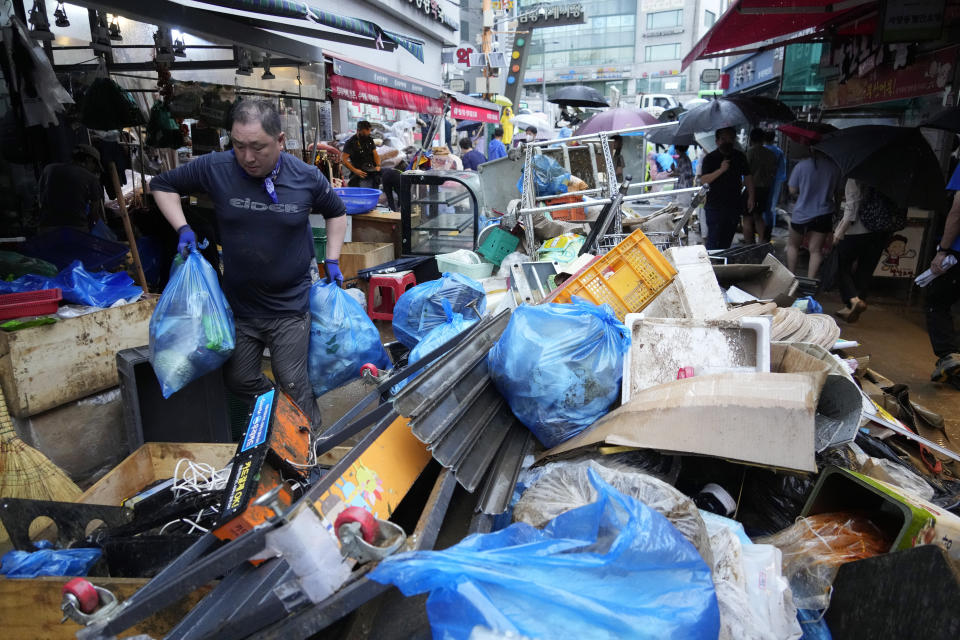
x=361 y=255
x=45 y=367
x=30 y=608
x=378 y=226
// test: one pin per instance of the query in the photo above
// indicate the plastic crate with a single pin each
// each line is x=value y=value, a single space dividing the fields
x=627 y=278
x=63 y=246
x=477 y=271
x=498 y=245
x=572 y=214
x=29 y=303
x=358 y=199
x=320 y=243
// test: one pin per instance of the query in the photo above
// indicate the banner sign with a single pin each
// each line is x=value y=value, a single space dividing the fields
x=369 y=93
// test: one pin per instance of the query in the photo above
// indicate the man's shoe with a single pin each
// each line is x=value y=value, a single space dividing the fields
x=852 y=313
x=948 y=367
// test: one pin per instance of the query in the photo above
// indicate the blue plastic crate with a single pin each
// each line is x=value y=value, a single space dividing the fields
x=358 y=199
x=63 y=246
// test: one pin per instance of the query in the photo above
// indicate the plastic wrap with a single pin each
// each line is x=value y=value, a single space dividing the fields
x=435 y=338
x=47 y=561
x=15 y=265
x=559 y=366
x=191 y=331
x=79 y=286
x=754 y=597
x=611 y=569
x=772 y=501
x=420 y=309
x=815 y=547
x=342 y=338
x=566 y=485
x=549 y=177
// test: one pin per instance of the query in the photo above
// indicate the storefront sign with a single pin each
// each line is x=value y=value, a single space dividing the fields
x=650 y=6
x=430 y=8
x=928 y=75
x=556 y=15
x=462 y=111
x=360 y=91
x=755 y=70
x=911 y=20
x=357 y=72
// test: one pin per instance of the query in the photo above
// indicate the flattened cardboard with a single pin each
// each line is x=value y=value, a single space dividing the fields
x=758 y=418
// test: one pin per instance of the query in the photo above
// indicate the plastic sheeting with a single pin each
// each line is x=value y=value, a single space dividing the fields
x=79 y=286
x=47 y=561
x=436 y=338
x=559 y=366
x=611 y=569
x=342 y=338
x=420 y=309
x=192 y=331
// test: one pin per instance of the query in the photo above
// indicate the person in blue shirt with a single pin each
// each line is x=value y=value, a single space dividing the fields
x=943 y=293
x=496 y=149
x=262 y=199
x=470 y=157
x=770 y=215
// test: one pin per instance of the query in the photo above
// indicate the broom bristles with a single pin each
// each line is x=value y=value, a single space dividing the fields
x=26 y=472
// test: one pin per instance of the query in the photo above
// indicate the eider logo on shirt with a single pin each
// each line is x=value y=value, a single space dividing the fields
x=253 y=205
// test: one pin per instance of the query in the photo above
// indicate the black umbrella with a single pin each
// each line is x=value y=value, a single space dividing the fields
x=897 y=161
x=948 y=120
x=668 y=135
x=578 y=95
x=467 y=125
x=733 y=112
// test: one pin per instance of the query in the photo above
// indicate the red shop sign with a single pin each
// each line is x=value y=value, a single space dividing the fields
x=928 y=75
x=461 y=111
x=369 y=93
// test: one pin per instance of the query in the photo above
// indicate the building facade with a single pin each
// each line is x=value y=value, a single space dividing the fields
x=633 y=45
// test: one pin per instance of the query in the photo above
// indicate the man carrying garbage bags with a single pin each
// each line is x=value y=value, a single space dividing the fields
x=262 y=199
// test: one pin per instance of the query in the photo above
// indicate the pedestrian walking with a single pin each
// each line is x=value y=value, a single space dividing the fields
x=943 y=293
x=727 y=172
x=763 y=168
x=814 y=183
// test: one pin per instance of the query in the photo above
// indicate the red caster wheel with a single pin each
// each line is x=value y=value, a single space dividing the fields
x=369 y=370
x=87 y=598
x=368 y=524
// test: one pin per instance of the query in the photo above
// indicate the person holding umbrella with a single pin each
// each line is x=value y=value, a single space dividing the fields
x=727 y=172
x=814 y=183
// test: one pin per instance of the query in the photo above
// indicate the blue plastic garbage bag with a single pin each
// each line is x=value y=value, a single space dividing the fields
x=559 y=366
x=79 y=286
x=47 y=561
x=342 y=338
x=191 y=331
x=435 y=338
x=611 y=569
x=549 y=177
x=421 y=308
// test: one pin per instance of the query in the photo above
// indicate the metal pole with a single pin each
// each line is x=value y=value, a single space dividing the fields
x=543 y=77
x=603 y=201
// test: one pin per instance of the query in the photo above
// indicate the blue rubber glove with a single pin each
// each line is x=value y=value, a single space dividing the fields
x=332 y=268
x=188 y=240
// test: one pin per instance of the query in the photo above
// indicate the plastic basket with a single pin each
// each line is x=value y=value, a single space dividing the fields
x=572 y=214
x=358 y=199
x=477 y=271
x=320 y=243
x=63 y=246
x=29 y=303
x=627 y=278
x=498 y=245
x=663 y=240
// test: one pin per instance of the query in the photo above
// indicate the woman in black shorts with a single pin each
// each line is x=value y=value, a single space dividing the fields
x=814 y=182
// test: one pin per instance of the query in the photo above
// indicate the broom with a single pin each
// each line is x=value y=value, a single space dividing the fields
x=27 y=473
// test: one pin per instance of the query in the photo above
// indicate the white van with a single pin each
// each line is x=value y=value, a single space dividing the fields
x=656 y=103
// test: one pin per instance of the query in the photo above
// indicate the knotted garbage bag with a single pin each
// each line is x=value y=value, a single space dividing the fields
x=614 y=568
x=559 y=366
x=342 y=338
x=435 y=338
x=420 y=309
x=191 y=331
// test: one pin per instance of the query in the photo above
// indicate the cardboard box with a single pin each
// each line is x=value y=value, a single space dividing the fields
x=361 y=255
x=761 y=418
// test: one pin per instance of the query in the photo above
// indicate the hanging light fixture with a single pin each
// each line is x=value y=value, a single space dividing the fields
x=244 y=64
x=163 y=45
x=115 y=28
x=61 y=16
x=100 y=34
x=267 y=74
x=179 y=46
x=38 y=18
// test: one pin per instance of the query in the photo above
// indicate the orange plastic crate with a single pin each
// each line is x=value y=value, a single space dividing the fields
x=627 y=278
x=572 y=214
